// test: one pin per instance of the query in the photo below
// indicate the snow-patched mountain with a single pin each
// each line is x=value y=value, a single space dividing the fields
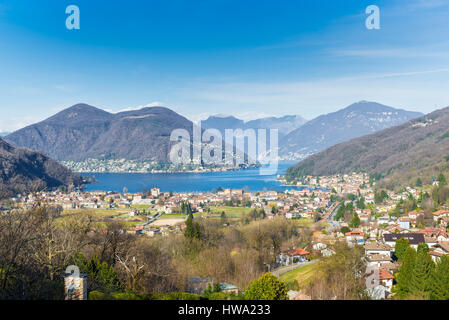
x=354 y=121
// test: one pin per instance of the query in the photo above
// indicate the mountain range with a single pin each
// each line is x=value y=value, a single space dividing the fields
x=354 y=121
x=24 y=170
x=400 y=154
x=82 y=132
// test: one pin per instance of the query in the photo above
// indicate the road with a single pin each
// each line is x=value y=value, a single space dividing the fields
x=331 y=218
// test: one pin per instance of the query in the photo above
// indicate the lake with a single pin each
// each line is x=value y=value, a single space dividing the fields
x=249 y=179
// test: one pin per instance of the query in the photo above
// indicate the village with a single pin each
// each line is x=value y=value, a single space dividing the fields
x=377 y=221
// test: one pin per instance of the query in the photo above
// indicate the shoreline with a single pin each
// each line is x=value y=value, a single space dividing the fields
x=164 y=172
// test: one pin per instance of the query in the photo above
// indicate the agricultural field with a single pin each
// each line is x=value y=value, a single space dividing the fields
x=100 y=216
x=303 y=275
x=231 y=212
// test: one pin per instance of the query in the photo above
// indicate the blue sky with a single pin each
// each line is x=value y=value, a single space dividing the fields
x=202 y=57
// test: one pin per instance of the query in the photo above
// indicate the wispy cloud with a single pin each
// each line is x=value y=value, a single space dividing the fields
x=393 y=75
x=15 y=123
x=288 y=44
x=309 y=99
x=428 y=4
x=408 y=52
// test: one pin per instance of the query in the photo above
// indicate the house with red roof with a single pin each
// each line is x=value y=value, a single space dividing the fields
x=355 y=237
x=292 y=256
x=441 y=249
x=379 y=283
x=440 y=214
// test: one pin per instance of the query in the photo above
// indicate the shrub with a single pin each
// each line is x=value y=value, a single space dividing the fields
x=267 y=287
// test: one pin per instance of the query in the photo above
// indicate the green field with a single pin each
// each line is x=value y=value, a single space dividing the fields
x=231 y=212
x=303 y=275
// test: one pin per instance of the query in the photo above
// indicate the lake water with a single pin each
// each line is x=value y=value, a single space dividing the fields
x=190 y=182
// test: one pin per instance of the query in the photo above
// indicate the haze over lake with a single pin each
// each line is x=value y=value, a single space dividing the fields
x=190 y=182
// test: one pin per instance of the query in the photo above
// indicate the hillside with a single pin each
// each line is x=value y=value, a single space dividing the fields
x=419 y=147
x=24 y=170
x=354 y=121
x=82 y=132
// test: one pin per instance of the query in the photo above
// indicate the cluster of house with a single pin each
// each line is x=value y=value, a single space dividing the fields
x=379 y=254
x=381 y=260
x=379 y=251
x=342 y=183
x=290 y=204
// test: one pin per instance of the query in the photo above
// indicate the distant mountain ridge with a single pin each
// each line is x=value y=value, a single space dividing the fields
x=400 y=153
x=24 y=170
x=83 y=131
x=351 y=122
x=284 y=124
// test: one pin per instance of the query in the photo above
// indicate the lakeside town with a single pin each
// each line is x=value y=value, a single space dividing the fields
x=338 y=208
x=146 y=166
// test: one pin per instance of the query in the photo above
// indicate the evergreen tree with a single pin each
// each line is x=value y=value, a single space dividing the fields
x=350 y=207
x=102 y=277
x=345 y=230
x=404 y=276
x=340 y=212
x=419 y=182
x=401 y=247
x=197 y=231
x=441 y=180
x=440 y=280
x=422 y=273
x=193 y=229
x=189 y=230
x=423 y=248
x=355 y=222
x=361 y=203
